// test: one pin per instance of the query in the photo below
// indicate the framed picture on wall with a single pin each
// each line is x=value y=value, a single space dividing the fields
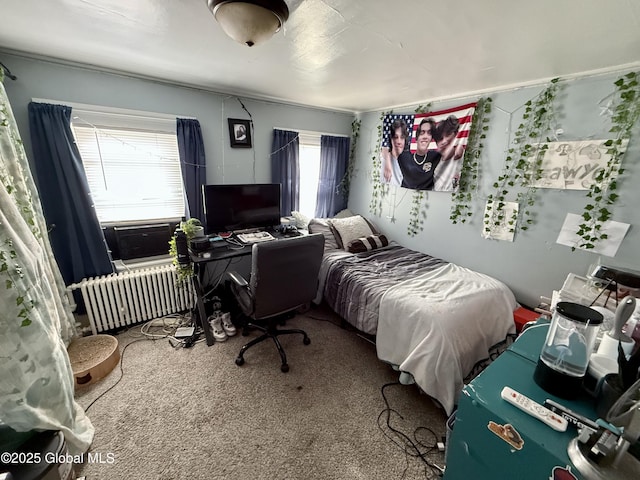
x=239 y=133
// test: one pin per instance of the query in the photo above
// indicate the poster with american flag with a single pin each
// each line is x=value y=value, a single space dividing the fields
x=425 y=151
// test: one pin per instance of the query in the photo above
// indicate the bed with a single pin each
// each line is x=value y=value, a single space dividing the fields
x=431 y=319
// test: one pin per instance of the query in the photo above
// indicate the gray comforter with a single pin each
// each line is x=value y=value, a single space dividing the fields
x=355 y=283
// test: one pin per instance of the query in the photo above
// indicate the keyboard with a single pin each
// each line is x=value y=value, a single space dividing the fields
x=255 y=237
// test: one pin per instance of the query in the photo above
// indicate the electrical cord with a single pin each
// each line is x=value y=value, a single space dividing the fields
x=167 y=328
x=153 y=338
x=7 y=72
x=121 y=373
x=415 y=447
x=168 y=331
x=323 y=320
x=220 y=276
x=252 y=129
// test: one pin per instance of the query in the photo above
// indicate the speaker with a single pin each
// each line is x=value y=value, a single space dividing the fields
x=203 y=244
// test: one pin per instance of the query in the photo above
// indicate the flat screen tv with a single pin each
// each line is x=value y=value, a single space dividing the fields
x=239 y=207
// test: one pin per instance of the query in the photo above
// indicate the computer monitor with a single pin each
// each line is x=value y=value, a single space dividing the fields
x=239 y=207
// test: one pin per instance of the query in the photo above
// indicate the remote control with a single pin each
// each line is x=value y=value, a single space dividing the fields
x=534 y=409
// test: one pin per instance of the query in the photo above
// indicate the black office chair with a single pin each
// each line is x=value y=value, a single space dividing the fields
x=284 y=277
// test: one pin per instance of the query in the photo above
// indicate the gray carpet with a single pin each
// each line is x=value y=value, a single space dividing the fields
x=193 y=414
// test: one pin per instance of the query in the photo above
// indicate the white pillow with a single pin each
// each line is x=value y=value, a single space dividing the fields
x=302 y=221
x=351 y=228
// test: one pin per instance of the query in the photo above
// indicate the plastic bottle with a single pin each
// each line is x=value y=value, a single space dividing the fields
x=182 y=247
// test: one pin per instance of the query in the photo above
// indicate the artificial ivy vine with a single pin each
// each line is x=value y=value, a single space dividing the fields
x=602 y=194
x=418 y=211
x=523 y=165
x=184 y=271
x=470 y=173
x=379 y=188
x=417 y=214
x=345 y=184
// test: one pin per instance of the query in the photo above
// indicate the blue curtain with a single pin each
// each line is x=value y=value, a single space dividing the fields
x=285 y=168
x=334 y=158
x=75 y=233
x=193 y=164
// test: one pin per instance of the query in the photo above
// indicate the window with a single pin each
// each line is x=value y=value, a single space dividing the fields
x=309 y=161
x=132 y=165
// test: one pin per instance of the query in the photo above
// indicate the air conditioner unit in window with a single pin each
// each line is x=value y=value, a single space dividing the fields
x=142 y=241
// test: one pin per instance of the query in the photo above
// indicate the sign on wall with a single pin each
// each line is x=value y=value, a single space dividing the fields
x=573 y=165
x=425 y=151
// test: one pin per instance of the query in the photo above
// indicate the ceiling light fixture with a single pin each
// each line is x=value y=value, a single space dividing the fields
x=249 y=21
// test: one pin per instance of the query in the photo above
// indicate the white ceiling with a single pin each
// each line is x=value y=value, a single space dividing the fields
x=354 y=55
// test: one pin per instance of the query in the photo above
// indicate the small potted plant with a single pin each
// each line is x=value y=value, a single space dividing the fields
x=192 y=228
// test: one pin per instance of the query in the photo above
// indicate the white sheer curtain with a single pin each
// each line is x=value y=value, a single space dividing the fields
x=36 y=324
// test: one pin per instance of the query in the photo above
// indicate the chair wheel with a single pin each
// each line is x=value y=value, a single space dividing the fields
x=306 y=340
x=284 y=368
x=239 y=361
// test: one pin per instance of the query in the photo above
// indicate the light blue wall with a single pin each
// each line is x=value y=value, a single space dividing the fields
x=533 y=265
x=52 y=81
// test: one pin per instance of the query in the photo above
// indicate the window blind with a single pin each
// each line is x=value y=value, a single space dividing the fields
x=133 y=174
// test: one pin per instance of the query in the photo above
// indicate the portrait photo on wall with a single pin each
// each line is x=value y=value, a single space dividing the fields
x=425 y=151
x=239 y=133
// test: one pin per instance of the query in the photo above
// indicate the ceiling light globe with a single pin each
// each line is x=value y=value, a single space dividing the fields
x=246 y=22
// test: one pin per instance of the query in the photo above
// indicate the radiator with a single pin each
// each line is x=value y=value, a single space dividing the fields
x=123 y=299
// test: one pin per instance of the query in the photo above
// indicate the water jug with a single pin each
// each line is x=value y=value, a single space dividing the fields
x=566 y=351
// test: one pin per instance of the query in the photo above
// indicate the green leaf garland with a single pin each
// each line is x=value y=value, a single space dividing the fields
x=523 y=164
x=418 y=211
x=602 y=194
x=470 y=173
x=345 y=184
